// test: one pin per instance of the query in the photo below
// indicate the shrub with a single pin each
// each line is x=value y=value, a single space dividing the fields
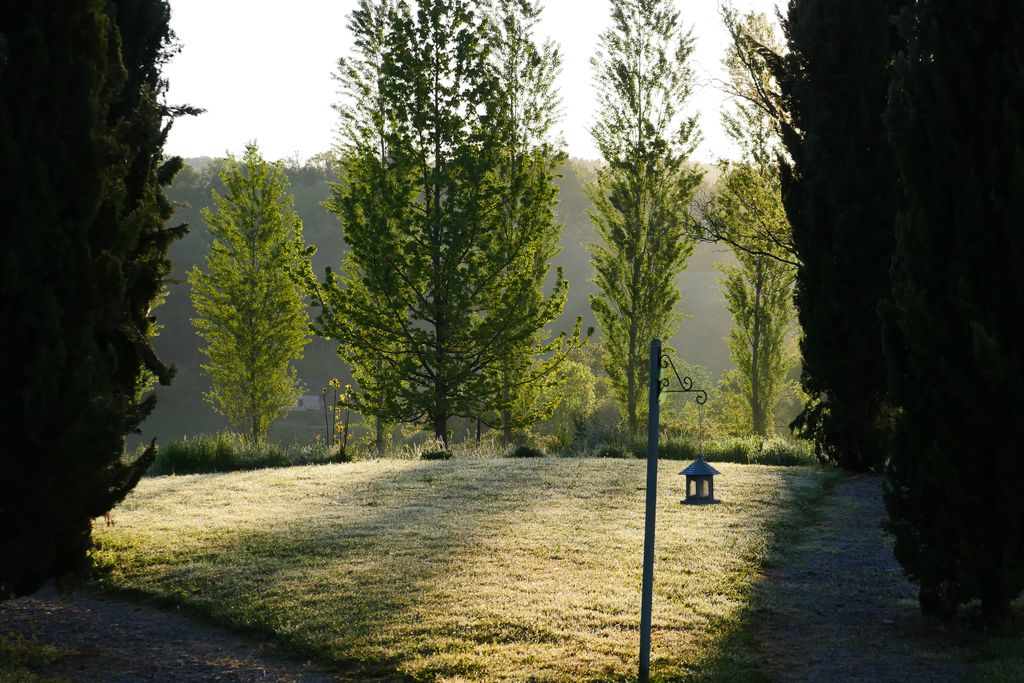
x=751 y=450
x=436 y=455
x=526 y=452
x=611 y=451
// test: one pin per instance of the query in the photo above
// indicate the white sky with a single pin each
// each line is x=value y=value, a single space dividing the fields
x=262 y=70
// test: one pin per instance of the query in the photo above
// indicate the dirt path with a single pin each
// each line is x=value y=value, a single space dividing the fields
x=838 y=607
x=114 y=641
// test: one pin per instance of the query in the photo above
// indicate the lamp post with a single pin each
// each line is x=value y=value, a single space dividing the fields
x=647 y=586
x=658 y=361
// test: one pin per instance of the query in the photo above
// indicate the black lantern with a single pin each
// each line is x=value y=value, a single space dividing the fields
x=700 y=482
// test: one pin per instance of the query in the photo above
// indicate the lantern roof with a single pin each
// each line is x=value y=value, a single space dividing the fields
x=699 y=468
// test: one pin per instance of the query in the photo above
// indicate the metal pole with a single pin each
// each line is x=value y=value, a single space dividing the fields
x=646 y=595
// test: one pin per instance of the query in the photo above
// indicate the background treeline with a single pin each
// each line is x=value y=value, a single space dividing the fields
x=701 y=339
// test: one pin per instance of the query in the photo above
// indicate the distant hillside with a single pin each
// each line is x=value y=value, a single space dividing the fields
x=181 y=409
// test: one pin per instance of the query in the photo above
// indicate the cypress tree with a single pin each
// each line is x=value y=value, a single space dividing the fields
x=956 y=362
x=83 y=249
x=840 y=193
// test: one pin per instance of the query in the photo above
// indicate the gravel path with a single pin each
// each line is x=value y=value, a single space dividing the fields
x=114 y=641
x=838 y=607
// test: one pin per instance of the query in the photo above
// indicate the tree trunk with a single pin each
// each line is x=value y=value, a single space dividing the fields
x=757 y=416
x=378 y=422
x=757 y=412
x=632 y=420
x=506 y=427
x=441 y=429
x=505 y=414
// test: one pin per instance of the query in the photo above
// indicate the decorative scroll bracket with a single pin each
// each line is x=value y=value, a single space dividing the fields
x=685 y=383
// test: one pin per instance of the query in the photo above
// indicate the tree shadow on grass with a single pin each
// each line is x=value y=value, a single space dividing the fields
x=727 y=650
x=423 y=571
x=352 y=579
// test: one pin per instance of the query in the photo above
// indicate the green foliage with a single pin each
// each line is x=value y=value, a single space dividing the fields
x=613 y=451
x=230 y=452
x=746 y=211
x=440 y=290
x=20 y=660
x=952 y=337
x=750 y=450
x=530 y=155
x=841 y=192
x=182 y=407
x=680 y=413
x=83 y=255
x=148 y=379
x=758 y=293
x=249 y=311
x=642 y=193
x=574 y=390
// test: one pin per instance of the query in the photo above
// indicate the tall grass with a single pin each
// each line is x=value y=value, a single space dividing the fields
x=228 y=452
x=750 y=450
x=434 y=449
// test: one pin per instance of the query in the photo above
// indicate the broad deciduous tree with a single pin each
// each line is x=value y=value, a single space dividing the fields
x=433 y=297
x=754 y=124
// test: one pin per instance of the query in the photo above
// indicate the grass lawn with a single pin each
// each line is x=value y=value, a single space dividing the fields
x=461 y=570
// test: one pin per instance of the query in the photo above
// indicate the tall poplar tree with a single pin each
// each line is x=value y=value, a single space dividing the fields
x=759 y=295
x=433 y=286
x=642 y=194
x=841 y=192
x=250 y=310
x=746 y=211
x=83 y=255
x=956 y=363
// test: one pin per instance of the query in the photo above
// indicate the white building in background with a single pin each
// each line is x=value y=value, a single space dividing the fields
x=309 y=402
